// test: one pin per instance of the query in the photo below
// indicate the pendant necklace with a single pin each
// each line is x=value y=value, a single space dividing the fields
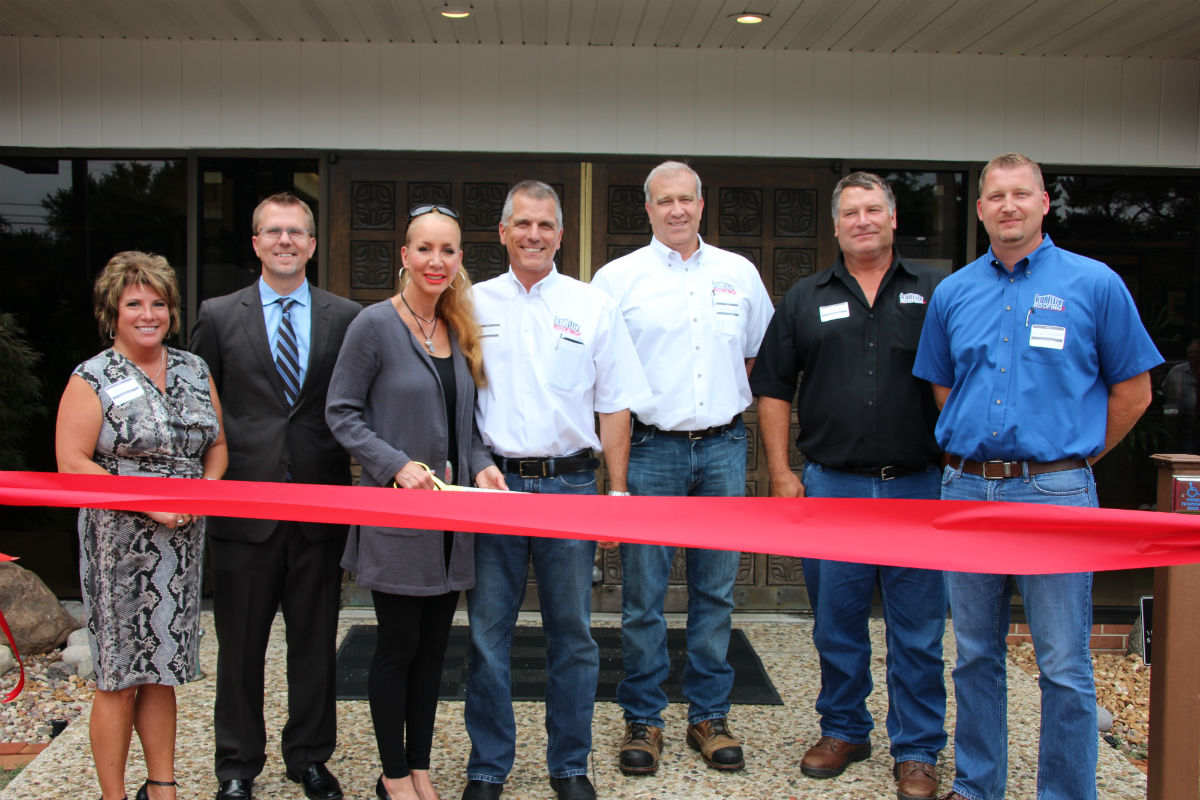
x=420 y=327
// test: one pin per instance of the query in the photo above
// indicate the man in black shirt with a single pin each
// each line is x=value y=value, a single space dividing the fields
x=866 y=430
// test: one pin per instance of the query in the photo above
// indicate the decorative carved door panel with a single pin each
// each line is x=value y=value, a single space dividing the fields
x=370 y=199
x=778 y=217
x=775 y=215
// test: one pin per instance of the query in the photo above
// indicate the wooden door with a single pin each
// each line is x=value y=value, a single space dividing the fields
x=778 y=216
x=369 y=200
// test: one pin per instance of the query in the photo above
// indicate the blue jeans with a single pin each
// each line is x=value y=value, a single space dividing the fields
x=1058 y=609
x=676 y=466
x=914 y=611
x=563 y=568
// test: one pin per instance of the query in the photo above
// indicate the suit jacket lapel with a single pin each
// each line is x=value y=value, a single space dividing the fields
x=255 y=327
x=318 y=341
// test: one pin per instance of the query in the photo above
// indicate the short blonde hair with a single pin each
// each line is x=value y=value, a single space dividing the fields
x=133 y=268
x=1011 y=161
x=283 y=199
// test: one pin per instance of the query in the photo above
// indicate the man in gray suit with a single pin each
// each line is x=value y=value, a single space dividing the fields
x=271 y=348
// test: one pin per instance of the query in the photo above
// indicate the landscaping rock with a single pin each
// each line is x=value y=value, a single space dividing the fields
x=78 y=638
x=76 y=653
x=75 y=609
x=7 y=661
x=39 y=622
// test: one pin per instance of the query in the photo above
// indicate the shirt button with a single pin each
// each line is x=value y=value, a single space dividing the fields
x=701 y=402
x=993 y=433
x=1005 y=339
x=870 y=372
x=870 y=344
x=997 y=402
x=1008 y=308
x=1003 y=370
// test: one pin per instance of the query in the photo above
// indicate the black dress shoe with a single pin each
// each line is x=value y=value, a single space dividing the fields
x=482 y=790
x=319 y=783
x=236 y=789
x=576 y=787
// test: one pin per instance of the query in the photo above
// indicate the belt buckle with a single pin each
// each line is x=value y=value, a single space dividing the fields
x=697 y=435
x=538 y=466
x=1005 y=470
x=885 y=473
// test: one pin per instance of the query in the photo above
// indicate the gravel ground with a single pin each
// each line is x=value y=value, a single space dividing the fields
x=52 y=691
x=775 y=736
x=1122 y=687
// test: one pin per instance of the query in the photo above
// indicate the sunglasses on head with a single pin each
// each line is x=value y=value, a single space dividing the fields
x=429 y=208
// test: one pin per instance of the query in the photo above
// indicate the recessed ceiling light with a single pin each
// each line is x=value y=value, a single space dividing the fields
x=749 y=17
x=455 y=12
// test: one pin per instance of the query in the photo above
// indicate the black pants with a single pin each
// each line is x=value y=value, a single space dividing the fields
x=251 y=582
x=406 y=672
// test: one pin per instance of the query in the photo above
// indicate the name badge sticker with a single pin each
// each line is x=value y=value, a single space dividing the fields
x=835 y=311
x=1051 y=337
x=122 y=392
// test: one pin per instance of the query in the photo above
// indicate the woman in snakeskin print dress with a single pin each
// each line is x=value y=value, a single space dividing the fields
x=140 y=408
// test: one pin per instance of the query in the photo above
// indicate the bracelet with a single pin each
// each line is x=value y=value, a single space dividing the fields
x=615 y=493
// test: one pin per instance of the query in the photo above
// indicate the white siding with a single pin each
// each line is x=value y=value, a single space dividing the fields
x=116 y=93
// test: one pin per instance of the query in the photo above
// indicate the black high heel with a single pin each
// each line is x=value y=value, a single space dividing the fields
x=144 y=792
x=380 y=791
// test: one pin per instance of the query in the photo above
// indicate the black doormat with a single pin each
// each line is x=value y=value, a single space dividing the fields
x=751 y=685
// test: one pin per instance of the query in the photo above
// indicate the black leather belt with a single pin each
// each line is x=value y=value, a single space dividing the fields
x=700 y=434
x=581 y=461
x=884 y=473
x=998 y=470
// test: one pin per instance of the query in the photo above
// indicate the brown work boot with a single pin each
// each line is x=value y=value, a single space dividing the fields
x=717 y=744
x=640 y=749
x=829 y=757
x=915 y=780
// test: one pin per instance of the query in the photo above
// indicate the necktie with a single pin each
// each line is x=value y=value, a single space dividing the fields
x=287 y=359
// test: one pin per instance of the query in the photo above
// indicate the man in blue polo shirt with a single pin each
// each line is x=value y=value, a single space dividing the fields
x=1040 y=362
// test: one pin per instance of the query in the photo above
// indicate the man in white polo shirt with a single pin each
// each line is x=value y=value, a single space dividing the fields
x=697 y=315
x=555 y=351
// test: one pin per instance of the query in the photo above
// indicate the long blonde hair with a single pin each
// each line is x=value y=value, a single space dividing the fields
x=456 y=309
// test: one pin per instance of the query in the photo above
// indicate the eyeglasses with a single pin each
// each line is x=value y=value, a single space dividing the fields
x=429 y=208
x=271 y=234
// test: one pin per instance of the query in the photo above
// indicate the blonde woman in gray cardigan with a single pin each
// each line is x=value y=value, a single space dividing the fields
x=402 y=396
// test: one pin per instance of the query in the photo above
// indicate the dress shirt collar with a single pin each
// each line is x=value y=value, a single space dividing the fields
x=268 y=295
x=1027 y=265
x=672 y=259
x=843 y=272
x=543 y=286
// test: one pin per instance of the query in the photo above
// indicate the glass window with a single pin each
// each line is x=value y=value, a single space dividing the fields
x=60 y=222
x=930 y=210
x=230 y=189
x=1147 y=228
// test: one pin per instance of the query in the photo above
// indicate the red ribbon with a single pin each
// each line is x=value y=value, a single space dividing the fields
x=16 y=690
x=1005 y=538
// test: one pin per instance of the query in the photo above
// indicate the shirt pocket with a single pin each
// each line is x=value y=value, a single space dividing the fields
x=727 y=314
x=565 y=367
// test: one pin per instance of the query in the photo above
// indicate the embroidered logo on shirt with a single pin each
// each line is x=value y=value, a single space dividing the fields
x=912 y=297
x=723 y=287
x=565 y=325
x=1048 y=302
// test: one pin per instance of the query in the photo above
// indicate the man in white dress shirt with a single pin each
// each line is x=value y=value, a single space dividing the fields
x=555 y=351
x=697 y=315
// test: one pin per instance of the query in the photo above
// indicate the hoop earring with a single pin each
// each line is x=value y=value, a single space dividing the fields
x=112 y=334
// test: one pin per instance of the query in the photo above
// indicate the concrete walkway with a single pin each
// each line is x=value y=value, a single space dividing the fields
x=775 y=737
